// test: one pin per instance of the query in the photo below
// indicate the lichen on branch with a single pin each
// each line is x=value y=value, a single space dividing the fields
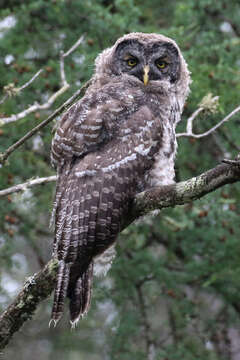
x=40 y=285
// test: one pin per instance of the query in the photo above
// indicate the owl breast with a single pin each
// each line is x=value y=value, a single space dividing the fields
x=162 y=171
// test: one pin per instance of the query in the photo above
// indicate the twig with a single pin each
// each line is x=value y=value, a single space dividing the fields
x=190 y=120
x=36 y=106
x=77 y=43
x=58 y=111
x=189 y=132
x=62 y=72
x=67 y=53
x=11 y=90
x=156 y=198
x=63 y=55
x=31 y=80
x=27 y=184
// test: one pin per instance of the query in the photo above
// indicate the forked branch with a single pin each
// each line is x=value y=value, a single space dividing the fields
x=10 y=90
x=209 y=104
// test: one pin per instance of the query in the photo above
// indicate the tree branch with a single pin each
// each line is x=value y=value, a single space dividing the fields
x=156 y=198
x=210 y=104
x=35 y=107
x=58 y=111
x=11 y=90
x=27 y=184
x=184 y=191
x=37 y=288
x=63 y=55
x=30 y=81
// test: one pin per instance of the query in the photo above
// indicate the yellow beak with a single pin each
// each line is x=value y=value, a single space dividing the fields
x=145 y=74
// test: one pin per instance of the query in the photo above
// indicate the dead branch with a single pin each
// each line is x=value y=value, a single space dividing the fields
x=11 y=90
x=42 y=284
x=30 y=81
x=209 y=104
x=37 y=288
x=57 y=112
x=36 y=106
x=63 y=55
x=27 y=184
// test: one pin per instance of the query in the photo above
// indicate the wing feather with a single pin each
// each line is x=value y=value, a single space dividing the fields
x=100 y=154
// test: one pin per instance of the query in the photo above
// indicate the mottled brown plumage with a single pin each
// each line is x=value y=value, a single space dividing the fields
x=116 y=141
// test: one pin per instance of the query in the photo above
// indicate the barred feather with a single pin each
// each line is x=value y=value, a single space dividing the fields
x=113 y=143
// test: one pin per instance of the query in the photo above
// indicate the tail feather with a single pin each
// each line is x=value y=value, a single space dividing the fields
x=79 y=289
x=81 y=295
x=65 y=221
x=59 y=212
x=60 y=291
x=77 y=224
x=87 y=221
x=62 y=236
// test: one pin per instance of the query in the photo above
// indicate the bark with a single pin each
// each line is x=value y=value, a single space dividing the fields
x=37 y=288
x=183 y=192
x=41 y=284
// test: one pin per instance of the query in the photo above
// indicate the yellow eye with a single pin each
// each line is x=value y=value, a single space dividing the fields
x=161 y=64
x=132 y=62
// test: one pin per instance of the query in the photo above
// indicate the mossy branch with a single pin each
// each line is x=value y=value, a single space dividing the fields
x=40 y=285
x=37 y=288
x=186 y=191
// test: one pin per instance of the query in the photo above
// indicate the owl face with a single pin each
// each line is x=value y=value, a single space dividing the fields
x=147 y=61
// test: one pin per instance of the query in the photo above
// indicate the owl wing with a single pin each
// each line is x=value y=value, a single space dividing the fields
x=101 y=148
x=79 y=131
x=77 y=201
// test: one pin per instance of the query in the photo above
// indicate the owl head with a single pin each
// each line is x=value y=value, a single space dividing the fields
x=148 y=59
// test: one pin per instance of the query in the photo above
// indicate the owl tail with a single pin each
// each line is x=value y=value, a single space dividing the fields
x=60 y=292
x=73 y=247
x=79 y=293
x=76 y=287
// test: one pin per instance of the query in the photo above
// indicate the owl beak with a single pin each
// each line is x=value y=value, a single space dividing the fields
x=145 y=74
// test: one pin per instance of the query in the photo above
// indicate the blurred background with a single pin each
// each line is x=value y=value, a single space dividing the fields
x=173 y=291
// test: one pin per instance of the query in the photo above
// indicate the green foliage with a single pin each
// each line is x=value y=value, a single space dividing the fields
x=174 y=286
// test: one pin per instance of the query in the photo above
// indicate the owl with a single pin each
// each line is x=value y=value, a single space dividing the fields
x=117 y=141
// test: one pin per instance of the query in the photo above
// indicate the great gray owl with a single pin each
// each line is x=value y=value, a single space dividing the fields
x=116 y=141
